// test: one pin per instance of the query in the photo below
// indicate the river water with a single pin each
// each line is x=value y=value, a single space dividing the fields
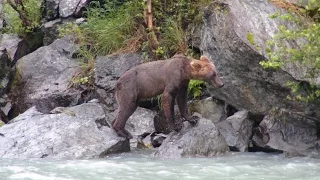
x=236 y=166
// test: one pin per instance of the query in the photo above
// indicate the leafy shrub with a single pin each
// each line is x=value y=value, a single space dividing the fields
x=14 y=24
x=306 y=51
x=195 y=88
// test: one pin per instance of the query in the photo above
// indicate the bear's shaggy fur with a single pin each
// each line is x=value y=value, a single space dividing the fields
x=167 y=77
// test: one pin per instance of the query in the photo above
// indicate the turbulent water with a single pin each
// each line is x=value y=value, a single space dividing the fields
x=236 y=166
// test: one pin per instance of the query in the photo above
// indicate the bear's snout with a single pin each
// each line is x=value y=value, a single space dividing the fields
x=217 y=82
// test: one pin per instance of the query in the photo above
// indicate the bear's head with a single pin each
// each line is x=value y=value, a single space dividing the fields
x=205 y=70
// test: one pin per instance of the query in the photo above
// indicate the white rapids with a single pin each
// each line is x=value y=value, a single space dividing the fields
x=134 y=166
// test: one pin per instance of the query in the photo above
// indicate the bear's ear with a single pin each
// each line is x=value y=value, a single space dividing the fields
x=204 y=59
x=196 y=66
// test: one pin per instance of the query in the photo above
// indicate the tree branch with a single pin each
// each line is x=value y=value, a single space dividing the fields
x=17 y=5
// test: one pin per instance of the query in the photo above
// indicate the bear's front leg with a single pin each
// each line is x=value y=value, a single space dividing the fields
x=168 y=108
x=182 y=104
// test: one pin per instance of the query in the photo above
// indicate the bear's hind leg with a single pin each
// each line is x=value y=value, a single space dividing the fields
x=126 y=109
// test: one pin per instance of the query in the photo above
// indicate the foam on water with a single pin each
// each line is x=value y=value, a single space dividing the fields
x=237 y=166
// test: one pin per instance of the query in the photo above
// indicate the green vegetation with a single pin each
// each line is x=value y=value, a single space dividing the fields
x=22 y=17
x=250 y=38
x=111 y=28
x=195 y=88
x=298 y=44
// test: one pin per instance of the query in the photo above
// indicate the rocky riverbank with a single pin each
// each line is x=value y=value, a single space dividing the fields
x=45 y=116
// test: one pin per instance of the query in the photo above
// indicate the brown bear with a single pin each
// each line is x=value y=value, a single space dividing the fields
x=167 y=77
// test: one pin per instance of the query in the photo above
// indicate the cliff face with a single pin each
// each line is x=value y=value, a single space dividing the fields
x=234 y=36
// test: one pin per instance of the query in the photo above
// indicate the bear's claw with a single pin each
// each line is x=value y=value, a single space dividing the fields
x=124 y=133
x=193 y=120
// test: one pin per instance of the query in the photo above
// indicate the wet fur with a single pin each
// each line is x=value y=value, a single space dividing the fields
x=167 y=77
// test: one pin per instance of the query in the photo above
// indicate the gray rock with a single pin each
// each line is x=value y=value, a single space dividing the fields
x=237 y=130
x=50 y=30
x=225 y=40
x=107 y=70
x=5 y=66
x=202 y=140
x=63 y=8
x=209 y=109
x=11 y=48
x=288 y=132
x=161 y=125
x=194 y=35
x=30 y=113
x=83 y=111
x=141 y=121
x=44 y=77
x=149 y=140
x=71 y=7
x=5 y=107
x=51 y=9
x=61 y=135
x=110 y=68
x=5 y=104
x=15 y=46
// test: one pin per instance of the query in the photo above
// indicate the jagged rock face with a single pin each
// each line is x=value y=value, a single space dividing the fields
x=107 y=71
x=43 y=77
x=227 y=25
x=291 y=133
x=237 y=130
x=11 y=49
x=202 y=140
x=63 y=8
x=70 y=133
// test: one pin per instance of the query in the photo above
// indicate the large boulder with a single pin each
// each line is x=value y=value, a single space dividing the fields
x=291 y=133
x=71 y=7
x=70 y=133
x=237 y=130
x=202 y=140
x=43 y=77
x=209 y=108
x=63 y=8
x=140 y=122
x=107 y=70
x=237 y=47
x=51 y=30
